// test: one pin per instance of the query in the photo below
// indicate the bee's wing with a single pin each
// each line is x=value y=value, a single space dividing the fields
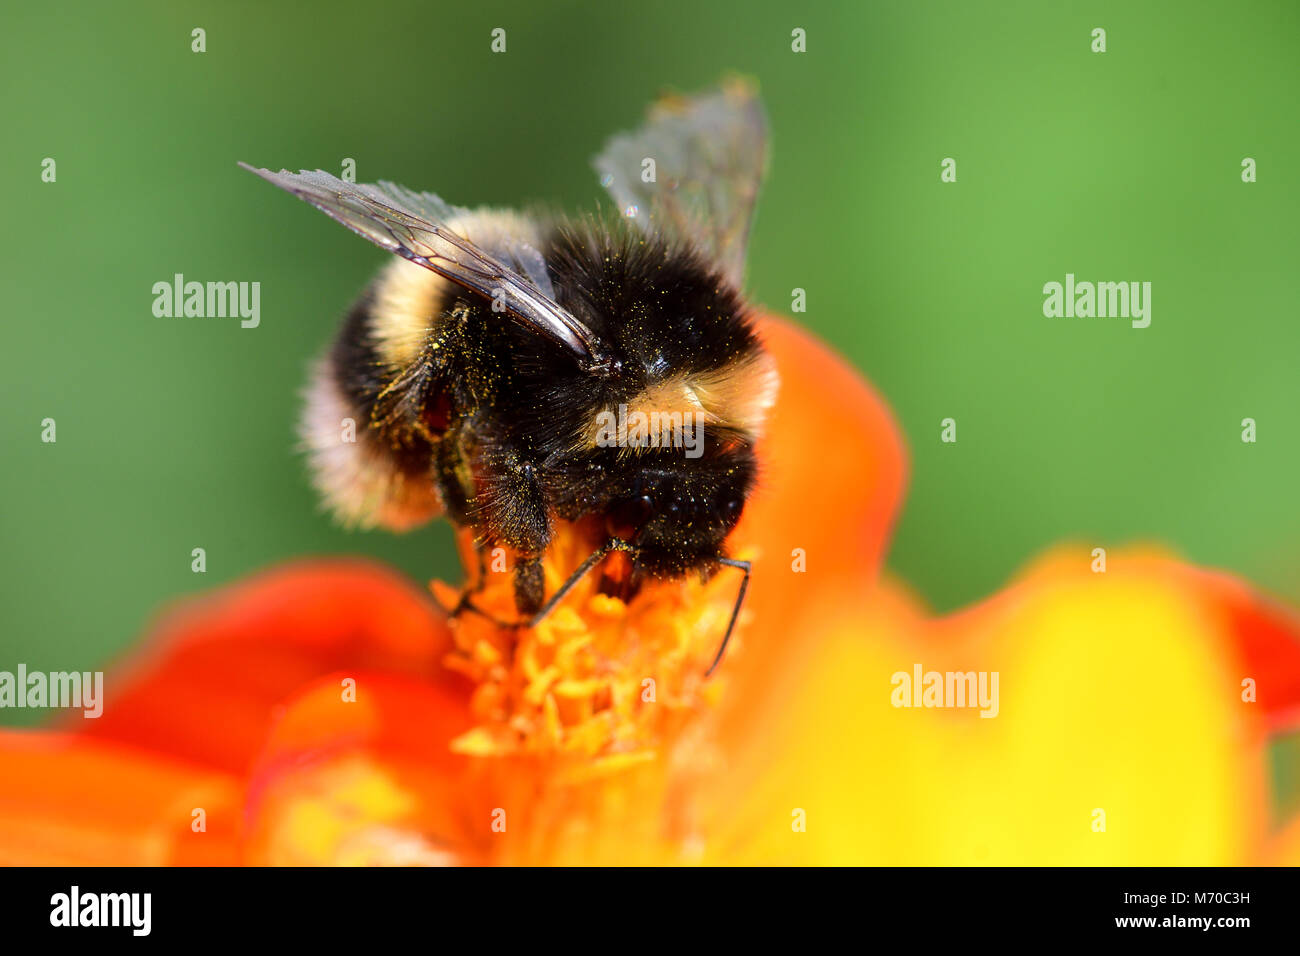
x=709 y=154
x=415 y=226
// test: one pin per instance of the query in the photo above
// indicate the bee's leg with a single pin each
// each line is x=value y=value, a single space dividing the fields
x=529 y=590
x=614 y=544
x=451 y=468
x=464 y=601
x=735 y=611
x=480 y=552
x=530 y=584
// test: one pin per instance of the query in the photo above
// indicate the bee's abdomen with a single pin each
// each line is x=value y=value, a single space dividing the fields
x=363 y=477
x=354 y=360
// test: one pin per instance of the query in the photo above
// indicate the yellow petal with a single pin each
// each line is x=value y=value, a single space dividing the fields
x=1119 y=705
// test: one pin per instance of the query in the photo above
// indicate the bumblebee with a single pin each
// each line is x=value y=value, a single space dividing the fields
x=517 y=371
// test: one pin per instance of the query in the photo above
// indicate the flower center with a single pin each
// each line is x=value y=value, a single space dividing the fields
x=609 y=682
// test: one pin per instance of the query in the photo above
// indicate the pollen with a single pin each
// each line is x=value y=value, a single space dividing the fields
x=607 y=683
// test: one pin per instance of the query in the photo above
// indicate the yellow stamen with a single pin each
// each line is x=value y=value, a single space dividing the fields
x=609 y=683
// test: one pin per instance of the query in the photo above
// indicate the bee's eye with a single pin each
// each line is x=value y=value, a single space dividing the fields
x=731 y=509
x=627 y=517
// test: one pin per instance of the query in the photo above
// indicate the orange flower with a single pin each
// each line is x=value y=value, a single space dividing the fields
x=325 y=712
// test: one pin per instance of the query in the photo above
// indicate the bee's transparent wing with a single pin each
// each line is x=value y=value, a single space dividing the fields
x=709 y=154
x=416 y=227
x=512 y=251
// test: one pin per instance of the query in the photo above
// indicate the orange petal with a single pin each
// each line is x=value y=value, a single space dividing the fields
x=206 y=686
x=1265 y=646
x=70 y=801
x=833 y=467
x=362 y=773
x=374 y=781
x=833 y=472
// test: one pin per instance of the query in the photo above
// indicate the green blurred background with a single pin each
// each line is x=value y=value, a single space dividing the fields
x=178 y=433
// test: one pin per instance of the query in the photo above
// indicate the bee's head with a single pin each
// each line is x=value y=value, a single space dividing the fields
x=676 y=512
x=663 y=447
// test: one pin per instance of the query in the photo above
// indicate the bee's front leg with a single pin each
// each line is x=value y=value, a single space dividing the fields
x=530 y=593
x=464 y=601
x=530 y=586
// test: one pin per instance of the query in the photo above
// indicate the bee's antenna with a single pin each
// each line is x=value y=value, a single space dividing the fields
x=617 y=544
x=735 y=611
